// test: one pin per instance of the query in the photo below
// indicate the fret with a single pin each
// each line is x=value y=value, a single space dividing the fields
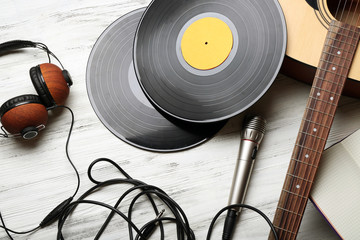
x=332 y=91
x=321 y=112
x=350 y=36
x=342 y=43
x=351 y=39
x=303 y=141
x=309 y=146
x=338 y=79
x=316 y=110
x=342 y=50
x=295 y=194
x=336 y=56
x=306 y=163
x=328 y=91
x=317 y=77
x=321 y=100
x=322 y=121
x=289 y=211
x=340 y=38
x=285 y=230
x=311 y=128
x=332 y=72
x=309 y=149
x=335 y=93
x=302 y=179
x=341 y=26
x=298 y=186
x=342 y=66
x=319 y=117
x=354 y=36
x=314 y=136
x=316 y=123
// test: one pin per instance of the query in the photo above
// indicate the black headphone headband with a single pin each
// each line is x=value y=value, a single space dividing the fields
x=17 y=44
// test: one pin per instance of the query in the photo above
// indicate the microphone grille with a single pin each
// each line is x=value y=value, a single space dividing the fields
x=257 y=123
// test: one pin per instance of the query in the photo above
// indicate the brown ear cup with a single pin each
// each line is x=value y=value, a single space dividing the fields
x=50 y=84
x=22 y=112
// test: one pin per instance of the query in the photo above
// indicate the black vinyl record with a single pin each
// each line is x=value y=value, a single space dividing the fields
x=216 y=91
x=121 y=105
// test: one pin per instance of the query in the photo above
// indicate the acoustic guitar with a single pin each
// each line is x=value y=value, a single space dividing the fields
x=336 y=21
x=307 y=22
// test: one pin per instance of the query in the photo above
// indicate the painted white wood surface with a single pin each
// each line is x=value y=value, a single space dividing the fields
x=35 y=175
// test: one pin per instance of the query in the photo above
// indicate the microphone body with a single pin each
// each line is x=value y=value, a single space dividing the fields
x=251 y=137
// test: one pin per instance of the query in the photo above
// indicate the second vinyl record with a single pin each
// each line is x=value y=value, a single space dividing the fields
x=121 y=105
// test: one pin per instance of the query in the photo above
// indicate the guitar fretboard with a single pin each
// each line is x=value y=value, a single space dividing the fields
x=338 y=52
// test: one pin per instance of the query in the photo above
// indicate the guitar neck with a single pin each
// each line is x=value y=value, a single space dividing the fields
x=333 y=69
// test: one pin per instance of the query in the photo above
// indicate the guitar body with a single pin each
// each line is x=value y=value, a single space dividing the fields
x=306 y=35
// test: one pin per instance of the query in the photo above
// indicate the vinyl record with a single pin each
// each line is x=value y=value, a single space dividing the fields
x=205 y=61
x=121 y=105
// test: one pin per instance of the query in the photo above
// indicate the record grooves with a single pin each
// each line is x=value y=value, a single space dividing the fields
x=208 y=90
x=121 y=105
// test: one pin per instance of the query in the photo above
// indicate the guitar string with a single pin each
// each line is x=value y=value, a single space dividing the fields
x=342 y=12
x=308 y=125
x=348 y=14
x=337 y=9
x=293 y=225
x=358 y=14
x=353 y=37
x=286 y=200
x=354 y=14
x=300 y=153
x=325 y=17
x=336 y=86
x=309 y=171
x=331 y=86
x=287 y=197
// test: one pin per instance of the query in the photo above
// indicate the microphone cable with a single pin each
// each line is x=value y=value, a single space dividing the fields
x=152 y=193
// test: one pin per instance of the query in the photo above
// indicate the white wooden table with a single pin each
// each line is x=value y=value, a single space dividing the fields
x=35 y=175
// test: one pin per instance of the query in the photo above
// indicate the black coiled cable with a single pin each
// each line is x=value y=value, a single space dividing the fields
x=183 y=229
x=179 y=217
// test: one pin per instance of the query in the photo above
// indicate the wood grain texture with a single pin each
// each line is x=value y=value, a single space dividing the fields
x=55 y=82
x=334 y=65
x=27 y=115
x=306 y=34
x=35 y=175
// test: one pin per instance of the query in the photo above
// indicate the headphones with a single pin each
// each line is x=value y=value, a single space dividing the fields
x=25 y=115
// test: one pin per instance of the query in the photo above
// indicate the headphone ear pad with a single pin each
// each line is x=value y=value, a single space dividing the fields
x=40 y=87
x=50 y=84
x=22 y=112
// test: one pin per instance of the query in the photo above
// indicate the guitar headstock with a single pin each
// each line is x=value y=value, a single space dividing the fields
x=346 y=11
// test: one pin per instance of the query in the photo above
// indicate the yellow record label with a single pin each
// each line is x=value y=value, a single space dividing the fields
x=206 y=43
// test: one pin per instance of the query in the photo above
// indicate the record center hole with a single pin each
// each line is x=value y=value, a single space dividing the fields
x=206 y=43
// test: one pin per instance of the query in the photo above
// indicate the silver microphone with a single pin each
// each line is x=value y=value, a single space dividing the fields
x=251 y=137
